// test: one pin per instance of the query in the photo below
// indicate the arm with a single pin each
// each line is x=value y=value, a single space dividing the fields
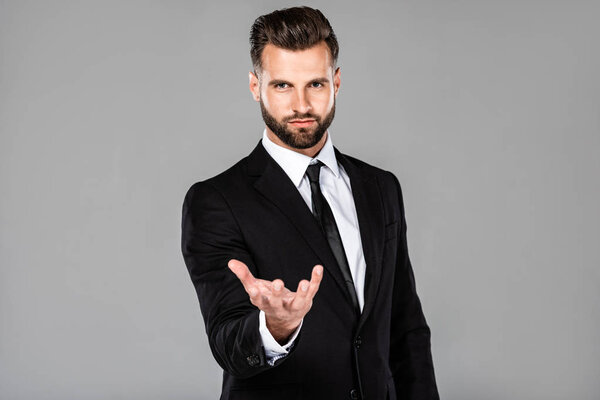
x=410 y=349
x=230 y=297
x=210 y=238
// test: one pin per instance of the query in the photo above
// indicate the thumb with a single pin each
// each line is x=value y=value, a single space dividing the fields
x=241 y=271
x=235 y=264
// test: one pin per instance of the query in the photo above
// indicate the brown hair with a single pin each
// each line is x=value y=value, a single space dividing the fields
x=295 y=28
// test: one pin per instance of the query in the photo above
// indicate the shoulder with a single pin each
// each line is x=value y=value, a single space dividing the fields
x=387 y=180
x=232 y=177
x=216 y=189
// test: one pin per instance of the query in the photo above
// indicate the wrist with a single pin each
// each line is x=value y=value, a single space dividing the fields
x=280 y=330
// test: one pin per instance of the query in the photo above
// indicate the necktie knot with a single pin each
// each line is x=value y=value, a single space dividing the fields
x=313 y=171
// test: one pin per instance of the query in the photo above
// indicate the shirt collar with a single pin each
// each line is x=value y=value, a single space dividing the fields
x=294 y=164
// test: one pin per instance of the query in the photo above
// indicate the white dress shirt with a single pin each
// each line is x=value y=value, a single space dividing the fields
x=335 y=186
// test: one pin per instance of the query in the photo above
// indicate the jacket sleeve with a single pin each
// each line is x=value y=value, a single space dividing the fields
x=410 y=349
x=210 y=238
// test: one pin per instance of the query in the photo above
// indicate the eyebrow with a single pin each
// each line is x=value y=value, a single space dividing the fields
x=279 y=81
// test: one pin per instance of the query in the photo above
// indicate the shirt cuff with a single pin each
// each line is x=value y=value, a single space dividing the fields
x=273 y=350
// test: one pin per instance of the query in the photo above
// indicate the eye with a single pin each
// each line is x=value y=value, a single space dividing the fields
x=317 y=84
x=281 y=85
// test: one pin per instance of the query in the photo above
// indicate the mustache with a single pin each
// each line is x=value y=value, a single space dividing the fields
x=302 y=116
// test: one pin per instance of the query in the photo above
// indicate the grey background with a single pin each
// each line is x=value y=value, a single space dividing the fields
x=487 y=111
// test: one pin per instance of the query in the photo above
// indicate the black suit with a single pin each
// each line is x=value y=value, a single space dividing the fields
x=253 y=212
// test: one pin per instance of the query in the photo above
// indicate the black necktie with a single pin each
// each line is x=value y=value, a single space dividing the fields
x=324 y=216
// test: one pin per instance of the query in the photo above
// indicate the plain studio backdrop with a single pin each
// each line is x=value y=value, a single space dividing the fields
x=487 y=111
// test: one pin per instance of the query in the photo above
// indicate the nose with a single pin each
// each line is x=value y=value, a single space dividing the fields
x=301 y=103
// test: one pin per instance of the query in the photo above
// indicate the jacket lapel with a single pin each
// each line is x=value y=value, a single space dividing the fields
x=369 y=210
x=275 y=185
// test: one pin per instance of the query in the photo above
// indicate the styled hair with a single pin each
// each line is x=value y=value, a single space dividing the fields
x=295 y=28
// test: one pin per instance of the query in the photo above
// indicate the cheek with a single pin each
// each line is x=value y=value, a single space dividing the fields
x=325 y=101
x=276 y=103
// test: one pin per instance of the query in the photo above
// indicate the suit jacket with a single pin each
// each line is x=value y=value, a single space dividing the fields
x=253 y=212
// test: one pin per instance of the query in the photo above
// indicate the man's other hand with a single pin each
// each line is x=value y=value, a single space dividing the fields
x=283 y=308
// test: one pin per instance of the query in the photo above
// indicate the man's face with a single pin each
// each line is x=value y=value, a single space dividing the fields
x=297 y=91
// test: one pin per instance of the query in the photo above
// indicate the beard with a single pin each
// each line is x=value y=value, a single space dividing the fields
x=300 y=138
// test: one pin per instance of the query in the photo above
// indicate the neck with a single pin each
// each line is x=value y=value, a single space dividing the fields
x=310 y=151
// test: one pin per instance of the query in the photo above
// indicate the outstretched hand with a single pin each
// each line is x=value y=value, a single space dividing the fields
x=283 y=308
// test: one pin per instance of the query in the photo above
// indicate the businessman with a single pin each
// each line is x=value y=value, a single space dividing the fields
x=298 y=252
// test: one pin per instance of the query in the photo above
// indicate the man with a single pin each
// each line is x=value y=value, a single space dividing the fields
x=298 y=253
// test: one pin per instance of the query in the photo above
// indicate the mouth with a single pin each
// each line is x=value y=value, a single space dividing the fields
x=302 y=122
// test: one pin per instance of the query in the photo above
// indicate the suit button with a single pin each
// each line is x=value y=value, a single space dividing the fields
x=253 y=360
x=357 y=342
x=354 y=394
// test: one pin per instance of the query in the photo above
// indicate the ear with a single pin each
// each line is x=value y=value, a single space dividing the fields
x=336 y=81
x=254 y=85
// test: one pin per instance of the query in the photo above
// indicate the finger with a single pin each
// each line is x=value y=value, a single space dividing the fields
x=242 y=272
x=287 y=298
x=315 y=280
x=307 y=290
x=302 y=289
x=263 y=284
x=257 y=290
x=260 y=293
x=277 y=287
x=301 y=295
x=277 y=291
x=259 y=297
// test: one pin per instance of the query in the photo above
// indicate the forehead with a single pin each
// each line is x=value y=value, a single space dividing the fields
x=280 y=63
